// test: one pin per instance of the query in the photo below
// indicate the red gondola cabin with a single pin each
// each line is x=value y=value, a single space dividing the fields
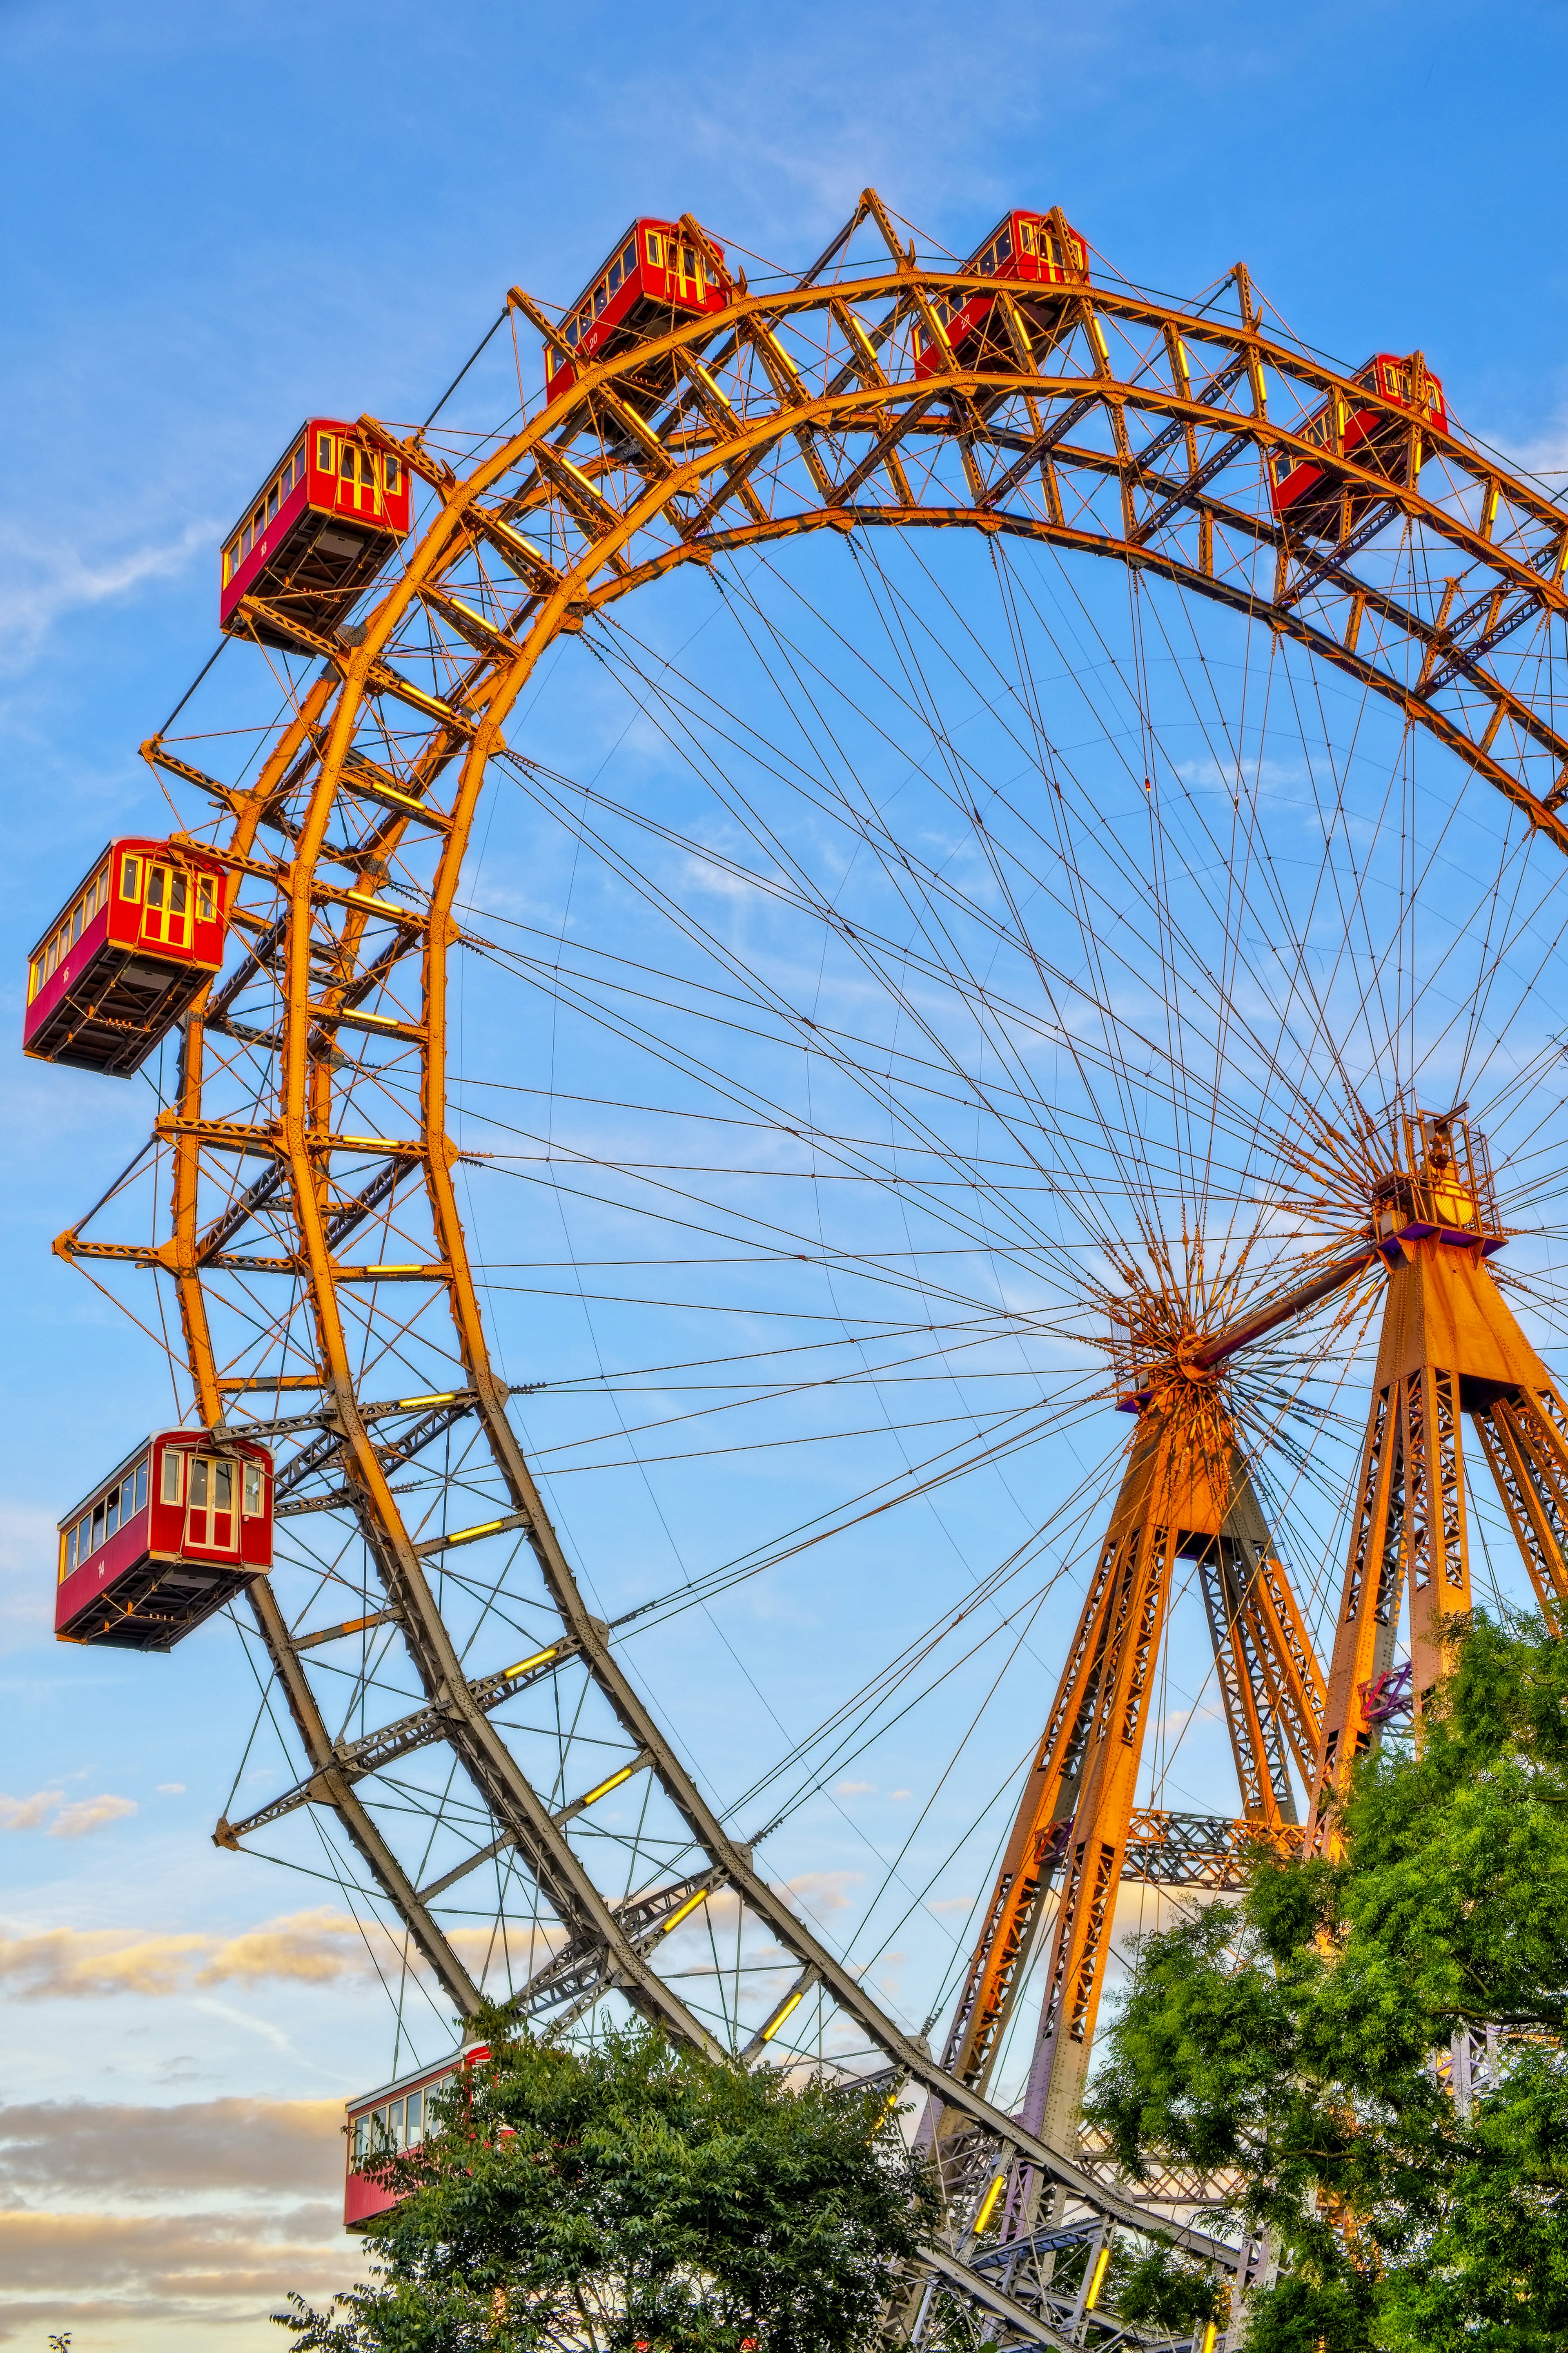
x=182 y=1525
x=1039 y=250
x=1312 y=497
x=391 y=2121
x=119 y=964
x=315 y=536
x=657 y=276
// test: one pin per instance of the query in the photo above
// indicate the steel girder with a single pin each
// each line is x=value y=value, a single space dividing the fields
x=803 y=415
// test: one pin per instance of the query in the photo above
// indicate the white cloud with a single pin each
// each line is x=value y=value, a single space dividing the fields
x=816 y=1892
x=71 y=1821
x=44 y=582
x=854 y=1790
x=171 y=1789
x=118 y=2220
x=315 y=1948
x=86 y=1814
x=28 y=1813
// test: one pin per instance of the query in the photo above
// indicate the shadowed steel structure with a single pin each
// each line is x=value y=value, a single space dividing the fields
x=313 y=1099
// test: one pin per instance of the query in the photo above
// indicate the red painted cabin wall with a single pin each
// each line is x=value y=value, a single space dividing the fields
x=119 y=931
x=162 y=1535
x=364 y=2198
x=961 y=316
x=319 y=490
x=1362 y=425
x=676 y=294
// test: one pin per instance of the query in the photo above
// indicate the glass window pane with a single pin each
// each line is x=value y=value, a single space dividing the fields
x=173 y=1465
x=252 y=1489
x=362 y=2139
x=414 y=2128
x=176 y=894
x=77 y=914
x=84 y=1537
x=223 y=1486
x=141 y=1486
x=614 y=278
x=111 y=1516
x=324 y=452
x=393 y=475
x=71 y=1551
x=206 y=907
x=199 y=1481
x=272 y=496
x=347 y=468
x=629 y=259
x=654 y=254
x=1005 y=245
x=154 y=886
x=96 y=1526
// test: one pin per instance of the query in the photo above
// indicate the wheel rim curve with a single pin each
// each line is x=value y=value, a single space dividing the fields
x=1525 y=562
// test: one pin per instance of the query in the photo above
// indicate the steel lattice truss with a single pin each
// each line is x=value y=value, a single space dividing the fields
x=315 y=1242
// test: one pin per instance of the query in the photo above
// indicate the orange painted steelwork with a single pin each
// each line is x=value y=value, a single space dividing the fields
x=794 y=410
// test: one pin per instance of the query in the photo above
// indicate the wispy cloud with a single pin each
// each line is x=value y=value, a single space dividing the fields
x=315 y=1948
x=42 y=581
x=118 y=2220
x=72 y=1819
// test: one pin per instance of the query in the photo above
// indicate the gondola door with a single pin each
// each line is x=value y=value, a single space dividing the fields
x=166 y=907
x=210 y=1520
x=686 y=271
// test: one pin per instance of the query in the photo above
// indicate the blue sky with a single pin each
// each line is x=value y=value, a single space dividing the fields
x=222 y=219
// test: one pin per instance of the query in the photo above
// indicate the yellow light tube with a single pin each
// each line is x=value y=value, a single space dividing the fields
x=1102 y=2264
x=537 y=1660
x=613 y=1783
x=466 y=1536
x=690 y=1905
x=773 y=2024
x=989 y=2200
x=444 y=1397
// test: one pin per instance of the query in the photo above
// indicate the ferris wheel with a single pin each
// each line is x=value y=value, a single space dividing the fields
x=740 y=1019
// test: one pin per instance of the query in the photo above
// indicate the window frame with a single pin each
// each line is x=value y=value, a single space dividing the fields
x=174 y=1463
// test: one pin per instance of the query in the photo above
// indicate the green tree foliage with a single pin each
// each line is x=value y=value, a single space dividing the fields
x=1300 y=2038
x=635 y=2197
